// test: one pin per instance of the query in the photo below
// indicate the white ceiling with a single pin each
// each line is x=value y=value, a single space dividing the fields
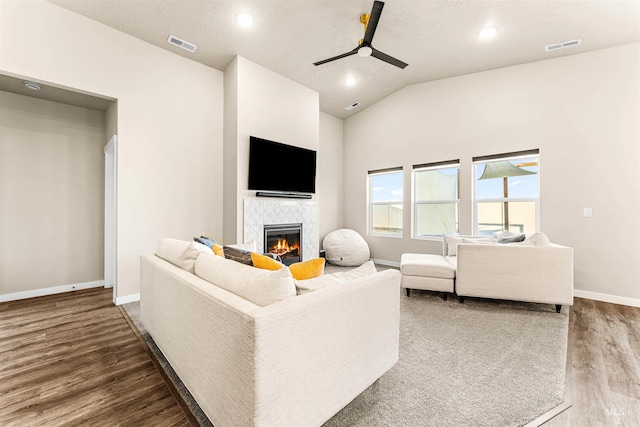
x=437 y=38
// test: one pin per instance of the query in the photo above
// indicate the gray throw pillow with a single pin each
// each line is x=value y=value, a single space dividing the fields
x=508 y=237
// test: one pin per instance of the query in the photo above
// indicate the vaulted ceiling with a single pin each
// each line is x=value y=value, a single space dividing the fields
x=437 y=38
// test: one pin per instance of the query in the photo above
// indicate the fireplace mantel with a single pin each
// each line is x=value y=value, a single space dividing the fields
x=260 y=212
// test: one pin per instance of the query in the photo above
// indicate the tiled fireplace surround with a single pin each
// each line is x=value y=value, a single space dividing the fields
x=259 y=212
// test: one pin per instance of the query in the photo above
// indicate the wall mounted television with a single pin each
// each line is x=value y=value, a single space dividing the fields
x=278 y=167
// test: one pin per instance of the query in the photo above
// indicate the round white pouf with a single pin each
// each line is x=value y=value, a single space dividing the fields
x=346 y=248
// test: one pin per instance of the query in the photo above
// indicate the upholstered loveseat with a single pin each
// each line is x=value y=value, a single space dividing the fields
x=295 y=361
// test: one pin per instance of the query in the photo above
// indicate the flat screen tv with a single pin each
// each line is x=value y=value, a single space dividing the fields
x=274 y=166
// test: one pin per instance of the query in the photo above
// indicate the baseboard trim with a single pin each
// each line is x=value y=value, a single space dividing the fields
x=127 y=299
x=615 y=299
x=51 y=291
x=387 y=263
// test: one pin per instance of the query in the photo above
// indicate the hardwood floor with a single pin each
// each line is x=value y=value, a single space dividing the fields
x=72 y=359
x=603 y=366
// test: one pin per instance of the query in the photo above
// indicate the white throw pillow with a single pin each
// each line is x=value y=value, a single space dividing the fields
x=452 y=245
x=304 y=286
x=345 y=247
x=261 y=287
x=537 y=239
x=179 y=253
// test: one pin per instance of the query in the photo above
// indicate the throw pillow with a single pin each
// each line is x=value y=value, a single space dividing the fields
x=326 y=280
x=261 y=287
x=307 y=269
x=205 y=240
x=508 y=237
x=239 y=255
x=538 y=239
x=452 y=245
x=265 y=262
x=218 y=250
x=180 y=253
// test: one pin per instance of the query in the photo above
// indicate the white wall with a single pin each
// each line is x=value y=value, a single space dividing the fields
x=51 y=194
x=269 y=106
x=169 y=121
x=581 y=111
x=330 y=174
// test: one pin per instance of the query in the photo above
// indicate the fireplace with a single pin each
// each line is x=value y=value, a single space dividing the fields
x=284 y=240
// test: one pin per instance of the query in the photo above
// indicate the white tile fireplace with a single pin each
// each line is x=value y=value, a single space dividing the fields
x=258 y=212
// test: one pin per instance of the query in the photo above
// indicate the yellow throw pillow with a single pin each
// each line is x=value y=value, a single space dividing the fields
x=265 y=262
x=217 y=249
x=307 y=269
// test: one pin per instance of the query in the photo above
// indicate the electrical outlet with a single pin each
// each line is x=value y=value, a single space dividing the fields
x=587 y=213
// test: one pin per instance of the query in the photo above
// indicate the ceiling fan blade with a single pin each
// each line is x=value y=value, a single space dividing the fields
x=374 y=17
x=389 y=59
x=344 y=55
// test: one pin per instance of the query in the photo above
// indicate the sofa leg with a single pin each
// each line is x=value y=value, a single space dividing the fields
x=461 y=299
x=558 y=308
x=444 y=296
x=408 y=291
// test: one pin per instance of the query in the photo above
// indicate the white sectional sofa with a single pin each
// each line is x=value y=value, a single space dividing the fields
x=293 y=362
x=534 y=270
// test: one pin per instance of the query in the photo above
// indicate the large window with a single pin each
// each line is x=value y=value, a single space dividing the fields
x=506 y=193
x=436 y=199
x=385 y=202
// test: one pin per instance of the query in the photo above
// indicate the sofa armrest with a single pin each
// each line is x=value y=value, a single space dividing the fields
x=542 y=274
x=318 y=351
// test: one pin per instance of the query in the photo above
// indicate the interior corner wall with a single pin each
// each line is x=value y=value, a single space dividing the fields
x=330 y=174
x=169 y=121
x=269 y=106
x=230 y=172
x=51 y=194
x=581 y=111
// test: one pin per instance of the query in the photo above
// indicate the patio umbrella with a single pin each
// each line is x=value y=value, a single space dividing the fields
x=504 y=170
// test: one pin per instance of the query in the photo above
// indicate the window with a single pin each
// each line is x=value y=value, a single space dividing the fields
x=436 y=198
x=506 y=193
x=385 y=202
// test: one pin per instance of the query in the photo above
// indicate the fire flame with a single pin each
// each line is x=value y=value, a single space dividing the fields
x=283 y=247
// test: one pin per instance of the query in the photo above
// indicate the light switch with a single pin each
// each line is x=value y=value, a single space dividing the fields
x=587 y=212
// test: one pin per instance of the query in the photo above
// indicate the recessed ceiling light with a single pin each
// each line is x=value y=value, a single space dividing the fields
x=32 y=85
x=487 y=33
x=350 y=81
x=245 y=20
x=365 y=51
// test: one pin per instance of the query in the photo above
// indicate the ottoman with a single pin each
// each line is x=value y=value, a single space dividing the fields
x=427 y=272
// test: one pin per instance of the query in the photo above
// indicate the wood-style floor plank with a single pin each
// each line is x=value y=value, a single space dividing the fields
x=603 y=373
x=73 y=359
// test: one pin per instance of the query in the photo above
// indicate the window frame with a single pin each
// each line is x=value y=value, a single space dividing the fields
x=501 y=158
x=371 y=203
x=415 y=203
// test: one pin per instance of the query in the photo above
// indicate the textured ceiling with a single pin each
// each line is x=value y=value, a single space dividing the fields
x=437 y=38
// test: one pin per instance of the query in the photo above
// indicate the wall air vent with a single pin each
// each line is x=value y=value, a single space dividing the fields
x=563 y=45
x=182 y=44
x=351 y=106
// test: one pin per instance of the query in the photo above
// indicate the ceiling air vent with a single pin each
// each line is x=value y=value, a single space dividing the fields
x=351 y=106
x=563 y=45
x=182 y=44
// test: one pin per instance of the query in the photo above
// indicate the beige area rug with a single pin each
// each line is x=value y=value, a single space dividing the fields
x=481 y=363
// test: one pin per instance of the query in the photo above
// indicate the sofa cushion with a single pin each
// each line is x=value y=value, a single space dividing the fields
x=426 y=265
x=307 y=269
x=452 y=245
x=261 y=287
x=304 y=286
x=180 y=253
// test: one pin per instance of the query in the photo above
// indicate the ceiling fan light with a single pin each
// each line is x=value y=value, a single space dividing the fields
x=365 y=51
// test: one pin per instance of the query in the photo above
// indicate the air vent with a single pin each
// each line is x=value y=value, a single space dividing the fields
x=352 y=106
x=182 y=44
x=563 y=45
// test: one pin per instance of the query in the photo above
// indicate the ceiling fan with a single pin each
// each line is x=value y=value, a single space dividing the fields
x=364 y=47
